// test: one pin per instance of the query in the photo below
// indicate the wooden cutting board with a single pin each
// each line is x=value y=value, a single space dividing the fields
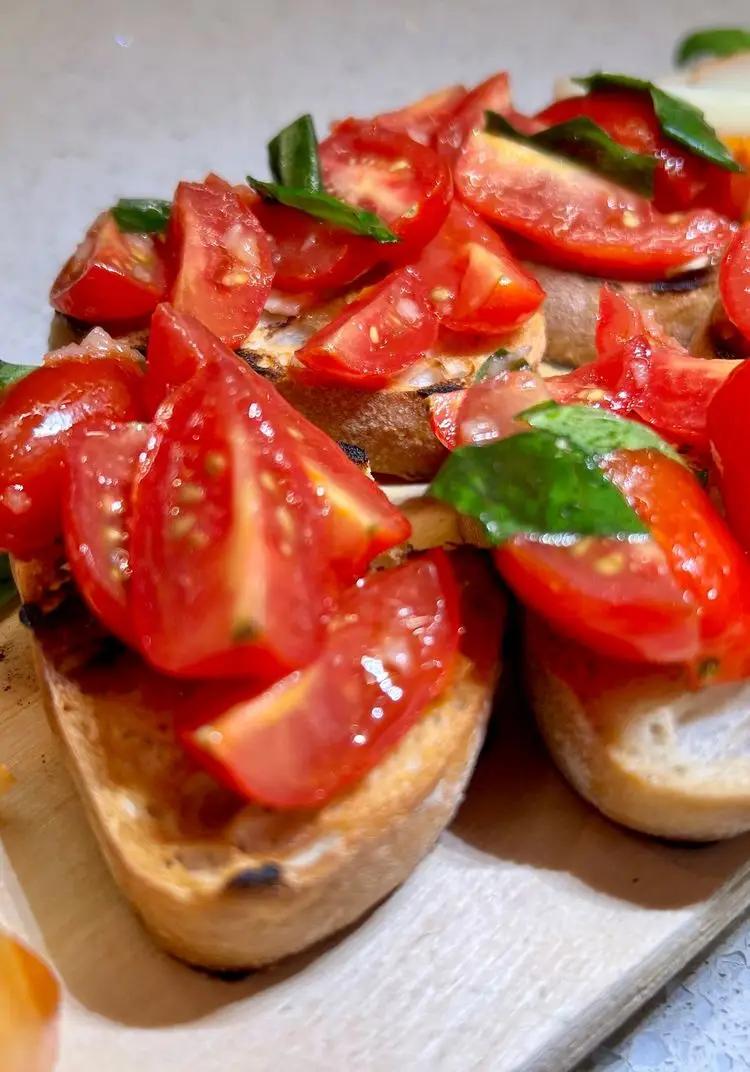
x=533 y=929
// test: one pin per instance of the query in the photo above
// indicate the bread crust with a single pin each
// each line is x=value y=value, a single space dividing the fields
x=638 y=743
x=219 y=883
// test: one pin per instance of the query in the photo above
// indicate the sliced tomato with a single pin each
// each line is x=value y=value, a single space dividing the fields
x=424 y=118
x=78 y=385
x=491 y=95
x=444 y=407
x=388 y=653
x=360 y=520
x=729 y=434
x=579 y=220
x=221 y=259
x=111 y=277
x=101 y=465
x=375 y=338
x=734 y=281
x=228 y=547
x=406 y=184
x=310 y=254
x=475 y=283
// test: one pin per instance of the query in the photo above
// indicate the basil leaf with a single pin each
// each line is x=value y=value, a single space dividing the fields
x=142 y=215
x=293 y=155
x=583 y=140
x=7 y=587
x=10 y=373
x=682 y=122
x=534 y=484
x=595 y=431
x=325 y=207
x=501 y=361
x=717 y=42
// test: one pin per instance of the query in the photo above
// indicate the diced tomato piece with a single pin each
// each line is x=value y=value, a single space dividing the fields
x=491 y=95
x=734 y=281
x=221 y=259
x=475 y=284
x=361 y=522
x=388 y=653
x=424 y=118
x=98 y=380
x=375 y=338
x=576 y=219
x=406 y=184
x=230 y=565
x=111 y=277
x=101 y=465
x=444 y=407
x=729 y=433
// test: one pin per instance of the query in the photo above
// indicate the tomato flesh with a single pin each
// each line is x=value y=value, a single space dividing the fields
x=729 y=436
x=375 y=338
x=80 y=385
x=491 y=95
x=475 y=284
x=406 y=184
x=578 y=220
x=112 y=276
x=360 y=520
x=101 y=466
x=388 y=653
x=422 y=120
x=220 y=257
x=734 y=281
x=228 y=549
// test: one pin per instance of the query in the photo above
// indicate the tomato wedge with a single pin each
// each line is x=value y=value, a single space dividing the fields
x=375 y=338
x=424 y=118
x=360 y=520
x=388 y=653
x=491 y=95
x=98 y=380
x=230 y=573
x=101 y=465
x=406 y=184
x=729 y=434
x=579 y=220
x=111 y=277
x=734 y=281
x=475 y=284
x=221 y=259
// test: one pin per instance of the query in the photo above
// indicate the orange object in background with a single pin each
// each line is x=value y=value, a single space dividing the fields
x=29 y=1000
x=739 y=146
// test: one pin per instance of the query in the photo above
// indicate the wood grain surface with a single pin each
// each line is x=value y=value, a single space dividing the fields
x=532 y=930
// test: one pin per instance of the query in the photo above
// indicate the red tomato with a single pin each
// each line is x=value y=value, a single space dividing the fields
x=491 y=95
x=406 y=184
x=734 y=281
x=444 y=408
x=310 y=254
x=579 y=220
x=221 y=258
x=81 y=384
x=388 y=653
x=729 y=433
x=101 y=465
x=424 y=118
x=360 y=520
x=228 y=550
x=475 y=284
x=112 y=276
x=375 y=338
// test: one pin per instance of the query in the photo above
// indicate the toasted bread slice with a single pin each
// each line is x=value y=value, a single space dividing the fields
x=681 y=306
x=220 y=883
x=638 y=743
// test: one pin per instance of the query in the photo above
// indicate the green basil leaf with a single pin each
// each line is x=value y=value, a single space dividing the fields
x=142 y=215
x=534 y=484
x=595 y=431
x=682 y=122
x=7 y=587
x=501 y=361
x=583 y=140
x=10 y=373
x=325 y=207
x=716 y=42
x=293 y=156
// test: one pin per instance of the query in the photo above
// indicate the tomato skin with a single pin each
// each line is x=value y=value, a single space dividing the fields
x=728 y=434
x=577 y=220
x=360 y=520
x=374 y=338
x=36 y=416
x=475 y=283
x=406 y=184
x=101 y=464
x=734 y=281
x=230 y=572
x=423 y=119
x=111 y=277
x=220 y=258
x=319 y=730
x=491 y=95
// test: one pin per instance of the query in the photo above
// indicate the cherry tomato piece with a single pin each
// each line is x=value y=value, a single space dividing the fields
x=424 y=118
x=729 y=434
x=221 y=259
x=491 y=95
x=388 y=652
x=111 y=277
x=734 y=281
